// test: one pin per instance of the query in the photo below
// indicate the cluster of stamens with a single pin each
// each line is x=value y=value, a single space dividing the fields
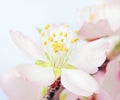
x=57 y=40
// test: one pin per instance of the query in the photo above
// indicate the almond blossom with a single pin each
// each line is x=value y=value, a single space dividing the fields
x=61 y=54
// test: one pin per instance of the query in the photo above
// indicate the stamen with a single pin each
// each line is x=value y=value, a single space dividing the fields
x=45 y=43
x=76 y=31
x=54 y=34
x=47 y=26
x=42 y=34
x=50 y=38
x=58 y=46
x=61 y=40
x=92 y=17
x=65 y=34
x=74 y=40
x=60 y=33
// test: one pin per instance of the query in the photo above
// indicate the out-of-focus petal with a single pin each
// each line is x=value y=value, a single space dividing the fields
x=112 y=79
x=79 y=82
x=103 y=95
x=91 y=56
x=117 y=31
x=118 y=97
x=112 y=15
x=94 y=30
x=17 y=88
x=27 y=45
x=39 y=75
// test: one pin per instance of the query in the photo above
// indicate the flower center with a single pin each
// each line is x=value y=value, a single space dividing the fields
x=58 y=42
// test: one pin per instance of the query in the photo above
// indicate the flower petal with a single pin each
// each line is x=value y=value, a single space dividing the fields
x=17 y=88
x=79 y=82
x=99 y=29
x=91 y=56
x=27 y=45
x=39 y=75
x=118 y=97
x=99 y=76
x=103 y=95
x=113 y=41
x=112 y=78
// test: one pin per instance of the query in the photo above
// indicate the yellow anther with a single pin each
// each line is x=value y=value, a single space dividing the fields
x=45 y=43
x=50 y=38
x=92 y=17
x=55 y=50
x=47 y=26
x=61 y=40
x=76 y=31
x=60 y=33
x=66 y=49
x=74 y=40
x=54 y=35
x=65 y=34
x=62 y=47
x=42 y=34
x=58 y=46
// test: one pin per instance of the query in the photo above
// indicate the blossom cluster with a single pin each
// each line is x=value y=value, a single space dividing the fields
x=80 y=64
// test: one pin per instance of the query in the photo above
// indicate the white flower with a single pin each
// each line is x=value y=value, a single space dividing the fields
x=63 y=55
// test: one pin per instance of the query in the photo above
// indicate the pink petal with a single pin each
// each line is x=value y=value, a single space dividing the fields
x=103 y=95
x=39 y=75
x=117 y=31
x=27 y=45
x=118 y=97
x=91 y=56
x=99 y=29
x=79 y=82
x=18 y=88
x=112 y=81
x=99 y=76
x=114 y=2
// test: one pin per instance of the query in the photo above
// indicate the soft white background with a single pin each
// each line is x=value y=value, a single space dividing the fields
x=25 y=16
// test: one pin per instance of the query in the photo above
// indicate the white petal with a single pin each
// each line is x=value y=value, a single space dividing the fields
x=90 y=56
x=27 y=45
x=16 y=88
x=112 y=42
x=113 y=16
x=79 y=82
x=33 y=73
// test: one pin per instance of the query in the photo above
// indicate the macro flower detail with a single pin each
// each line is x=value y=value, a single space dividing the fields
x=63 y=55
